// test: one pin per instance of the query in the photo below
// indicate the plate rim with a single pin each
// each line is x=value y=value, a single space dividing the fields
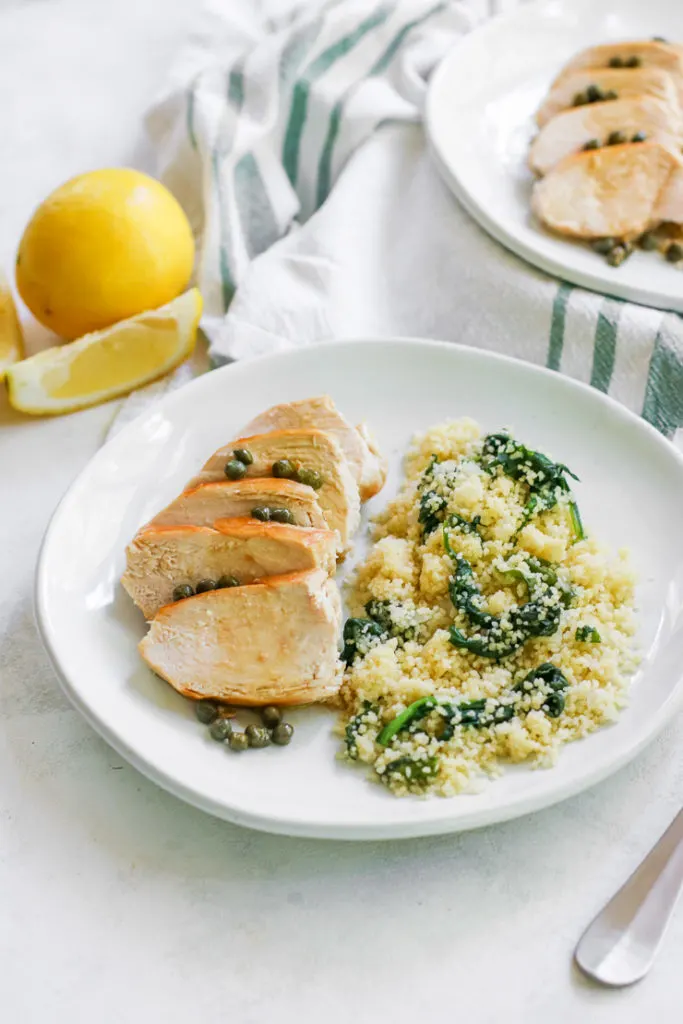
x=327 y=829
x=664 y=301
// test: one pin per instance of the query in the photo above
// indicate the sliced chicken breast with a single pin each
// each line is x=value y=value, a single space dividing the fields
x=648 y=53
x=614 y=191
x=368 y=467
x=162 y=558
x=570 y=131
x=203 y=505
x=307 y=449
x=273 y=642
x=627 y=83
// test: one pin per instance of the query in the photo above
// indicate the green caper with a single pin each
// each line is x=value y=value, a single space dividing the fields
x=234 y=470
x=616 y=62
x=205 y=585
x=183 y=591
x=594 y=93
x=616 y=138
x=580 y=99
x=227 y=581
x=238 y=741
x=617 y=255
x=633 y=62
x=206 y=711
x=611 y=95
x=281 y=515
x=261 y=512
x=639 y=137
x=659 y=39
x=603 y=245
x=310 y=477
x=271 y=716
x=592 y=144
x=220 y=730
x=244 y=456
x=284 y=469
x=282 y=734
x=674 y=253
x=649 y=241
x=257 y=736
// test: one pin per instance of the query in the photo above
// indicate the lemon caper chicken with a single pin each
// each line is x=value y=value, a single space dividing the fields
x=273 y=642
x=167 y=560
x=631 y=56
x=601 y=85
x=263 y=498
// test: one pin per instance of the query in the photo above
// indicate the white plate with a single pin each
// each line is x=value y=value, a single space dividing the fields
x=631 y=493
x=479 y=118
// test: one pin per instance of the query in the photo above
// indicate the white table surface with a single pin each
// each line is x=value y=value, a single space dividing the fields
x=120 y=904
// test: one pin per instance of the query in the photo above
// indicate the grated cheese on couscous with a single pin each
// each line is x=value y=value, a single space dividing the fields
x=487 y=626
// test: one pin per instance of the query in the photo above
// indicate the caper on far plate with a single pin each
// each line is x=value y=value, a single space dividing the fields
x=282 y=734
x=235 y=470
x=616 y=138
x=603 y=245
x=206 y=711
x=238 y=741
x=257 y=736
x=220 y=730
x=271 y=716
x=674 y=253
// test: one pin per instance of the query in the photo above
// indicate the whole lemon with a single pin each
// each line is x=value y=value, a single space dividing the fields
x=104 y=246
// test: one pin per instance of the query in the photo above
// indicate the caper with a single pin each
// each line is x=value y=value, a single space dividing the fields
x=616 y=138
x=639 y=137
x=594 y=93
x=282 y=734
x=310 y=477
x=281 y=515
x=271 y=716
x=659 y=39
x=674 y=253
x=603 y=245
x=580 y=99
x=633 y=62
x=227 y=581
x=238 y=741
x=182 y=591
x=616 y=62
x=553 y=705
x=220 y=730
x=257 y=736
x=261 y=512
x=206 y=711
x=244 y=456
x=617 y=255
x=205 y=585
x=234 y=470
x=592 y=144
x=648 y=241
x=284 y=469
x=611 y=95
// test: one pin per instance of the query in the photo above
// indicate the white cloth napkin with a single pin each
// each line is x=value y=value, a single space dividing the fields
x=300 y=158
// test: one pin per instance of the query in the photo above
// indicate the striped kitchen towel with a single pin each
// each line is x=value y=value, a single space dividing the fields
x=298 y=152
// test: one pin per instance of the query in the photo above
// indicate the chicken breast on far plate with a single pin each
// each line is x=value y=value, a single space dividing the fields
x=616 y=191
x=649 y=53
x=317 y=450
x=627 y=83
x=161 y=558
x=368 y=467
x=273 y=642
x=222 y=499
x=570 y=131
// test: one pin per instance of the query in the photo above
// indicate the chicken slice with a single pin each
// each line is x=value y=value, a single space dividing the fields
x=614 y=191
x=570 y=131
x=308 y=449
x=368 y=467
x=649 y=54
x=273 y=642
x=161 y=558
x=627 y=83
x=203 y=505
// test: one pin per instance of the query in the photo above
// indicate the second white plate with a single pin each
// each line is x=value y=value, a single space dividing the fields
x=479 y=119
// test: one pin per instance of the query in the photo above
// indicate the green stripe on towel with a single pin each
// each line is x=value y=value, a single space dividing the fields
x=300 y=95
x=224 y=248
x=663 y=405
x=557 y=323
x=605 y=344
x=256 y=213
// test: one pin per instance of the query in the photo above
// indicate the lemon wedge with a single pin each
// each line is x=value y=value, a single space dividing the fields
x=107 y=363
x=11 y=338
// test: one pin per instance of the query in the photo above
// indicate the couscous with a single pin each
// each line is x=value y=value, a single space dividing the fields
x=488 y=625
